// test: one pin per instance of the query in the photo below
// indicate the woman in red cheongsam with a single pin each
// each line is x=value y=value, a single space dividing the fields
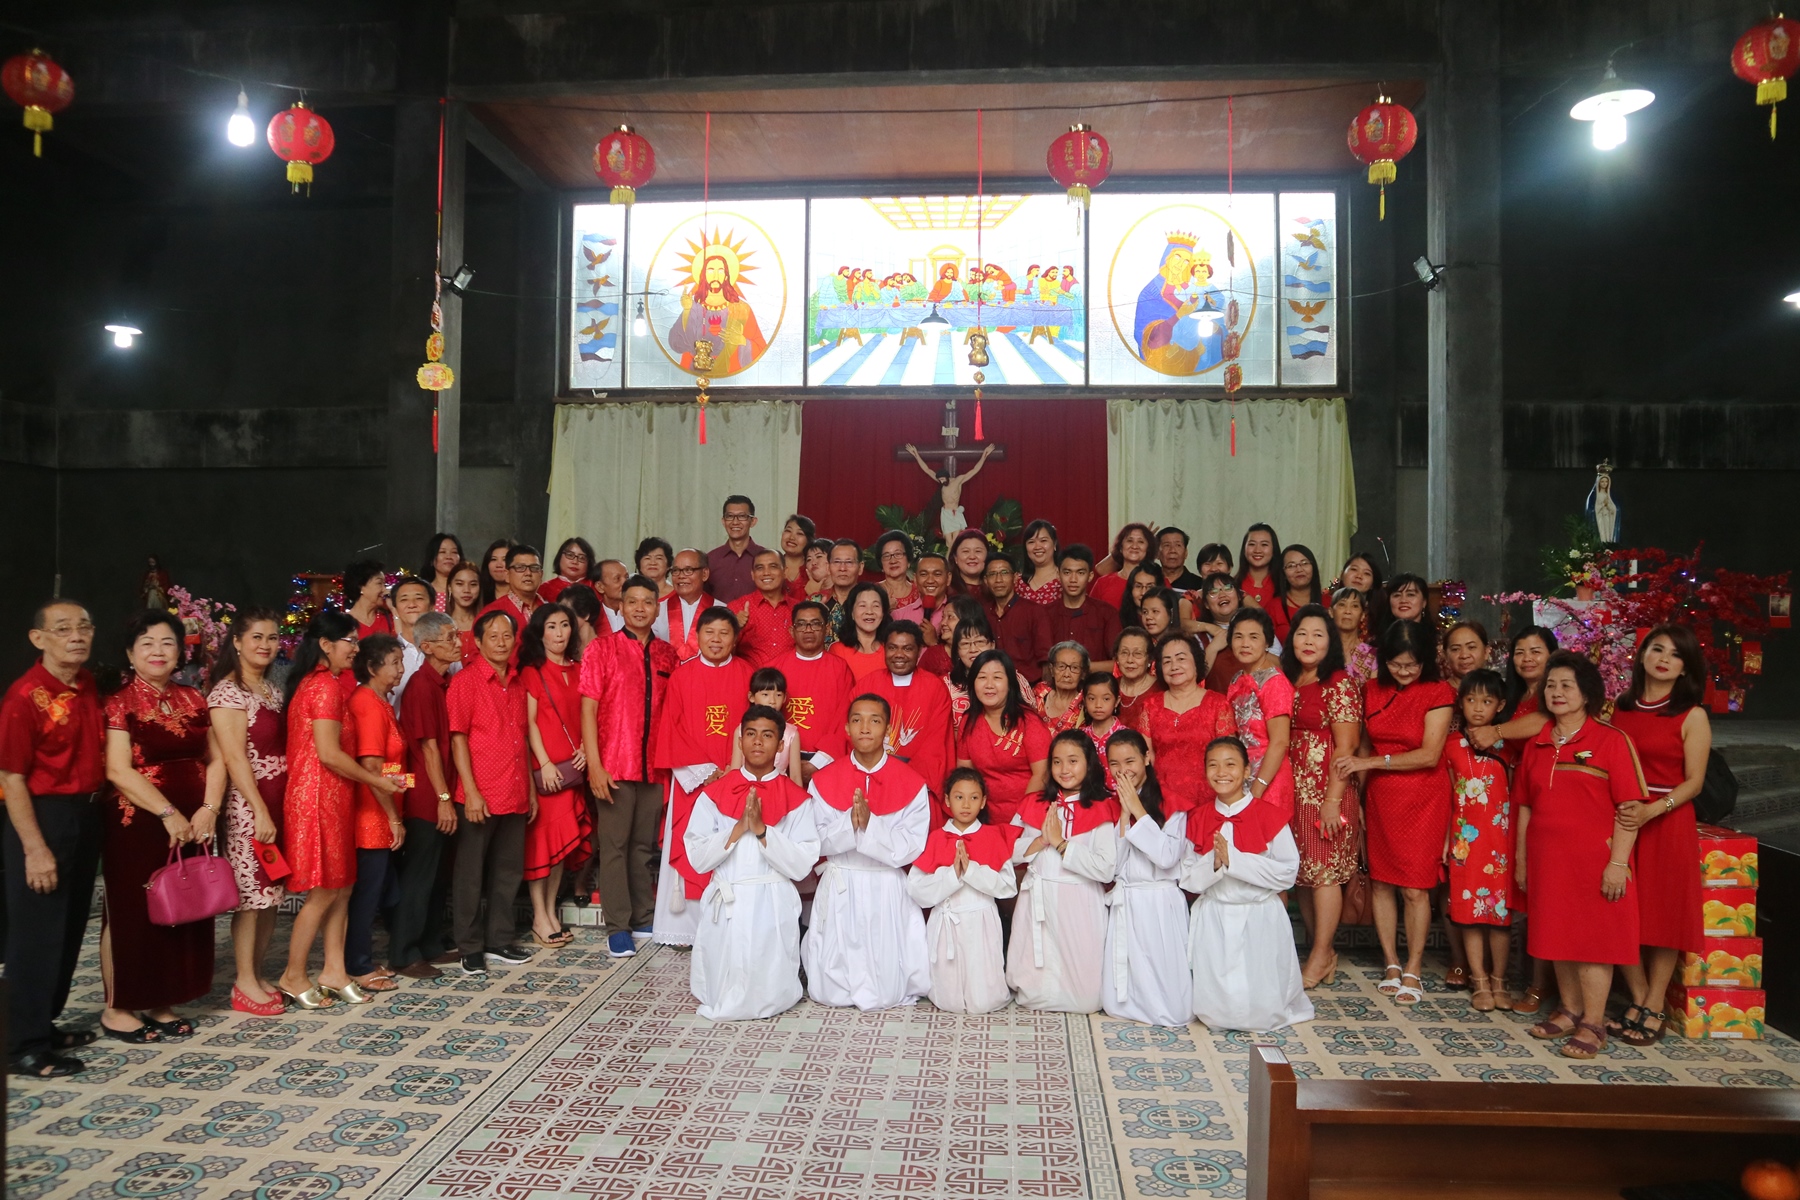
x=1262 y=703
x=1573 y=779
x=1406 y=794
x=1663 y=717
x=1181 y=718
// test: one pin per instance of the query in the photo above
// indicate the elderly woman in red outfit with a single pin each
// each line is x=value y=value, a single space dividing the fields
x=1573 y=783
x=1181 y=718
x=1407 y=796
x=1662 y=715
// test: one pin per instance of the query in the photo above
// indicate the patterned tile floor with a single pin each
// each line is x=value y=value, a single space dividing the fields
x=578 y=1075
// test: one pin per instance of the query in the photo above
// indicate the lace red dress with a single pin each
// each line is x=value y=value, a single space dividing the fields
x=155 y=966
x=1406 y=813
x=319 y=838
x=267 y=749
x=1317 y=706
x=1179 y=742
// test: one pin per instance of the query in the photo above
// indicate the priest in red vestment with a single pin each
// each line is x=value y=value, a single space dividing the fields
x=678 y=622
x=919 y=731
x=705 y=701
x=819 y=688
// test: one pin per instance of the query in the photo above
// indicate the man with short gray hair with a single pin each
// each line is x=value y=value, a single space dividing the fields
x=417 y=926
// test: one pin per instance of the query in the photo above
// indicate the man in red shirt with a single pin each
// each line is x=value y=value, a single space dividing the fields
x=486 y=704
x=731 y=566
x=819 y=689
x=524 y=569
x=1020 y=627
x=766 y=615
x=52 y=764
x=1078 y=617
x=417 y=931
x=932 y=575
x=624 y=679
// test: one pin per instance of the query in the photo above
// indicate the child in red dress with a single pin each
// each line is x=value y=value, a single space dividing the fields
x=1481 y=838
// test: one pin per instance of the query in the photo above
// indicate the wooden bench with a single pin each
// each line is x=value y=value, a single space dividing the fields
x=1408 y=1140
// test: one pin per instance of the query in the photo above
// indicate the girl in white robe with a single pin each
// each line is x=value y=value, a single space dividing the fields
x=746 y=961
x=1241 y=858
x=967 y=865
x=1145 y=974
x=1069 y=839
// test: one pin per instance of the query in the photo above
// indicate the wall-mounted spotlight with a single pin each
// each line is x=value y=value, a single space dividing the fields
x=458 y=284
x=1428 y=275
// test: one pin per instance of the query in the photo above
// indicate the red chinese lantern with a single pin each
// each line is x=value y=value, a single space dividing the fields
x=1079 y=160
x=624 y=162
x=302 y=138
x=1381 y=135
x=39 y=86
x=1765 y=56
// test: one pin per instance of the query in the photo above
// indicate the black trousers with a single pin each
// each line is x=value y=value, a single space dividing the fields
x=417 y=927
x=44 y=932
x=490 y=865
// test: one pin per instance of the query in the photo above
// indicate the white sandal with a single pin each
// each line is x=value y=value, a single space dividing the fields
x=1409 y=995
x=1390 y=987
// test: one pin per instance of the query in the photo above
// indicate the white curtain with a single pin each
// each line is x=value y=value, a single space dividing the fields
x=621 y=472
x=1170 y=462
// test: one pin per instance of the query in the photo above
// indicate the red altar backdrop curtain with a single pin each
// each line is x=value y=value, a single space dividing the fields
x=1056 y=463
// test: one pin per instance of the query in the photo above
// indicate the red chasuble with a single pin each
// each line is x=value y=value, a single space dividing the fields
x=889 y=788
x=701 y=708
x=1252 y=829
x=989 y=845
x=1077 y=818
x=919 y=730
x=818 y=700
x=780 y=796
x=685 y=638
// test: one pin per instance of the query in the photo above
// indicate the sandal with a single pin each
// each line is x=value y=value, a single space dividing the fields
x=180 y=1027
x=1477 y=991
x=350 y=993
x=1581 y=1045
x=1550 y=1029
x=1530 y=1002
x=377 y=981
x=1457 y=979
x=313 y=997
x=1616 y=1026
x=72 y=1039
x=274 y=1006
x=1322 y=980
x=555 y=941
x=1389 y=987
x=1409 y=996
x=1638 y=1034
x=143 y=1035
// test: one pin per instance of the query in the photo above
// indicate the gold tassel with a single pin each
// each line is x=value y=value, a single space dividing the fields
x=1382 y=170
x=624 y=195
x=1383 y=215
x=39 y=121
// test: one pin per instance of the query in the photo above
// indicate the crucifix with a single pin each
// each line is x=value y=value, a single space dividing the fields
x=945 y=460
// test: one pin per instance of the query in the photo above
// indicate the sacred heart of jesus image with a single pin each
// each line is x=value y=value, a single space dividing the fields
x=718 y=280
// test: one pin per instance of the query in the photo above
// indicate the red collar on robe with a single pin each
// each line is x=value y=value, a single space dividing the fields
x=989 y=845
x=889 y=788
x=780 y=795
x=1253 y=827
x=1077 y=818
x=684 y=637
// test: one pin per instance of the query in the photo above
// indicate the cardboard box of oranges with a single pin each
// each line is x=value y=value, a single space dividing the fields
x=1728 y=858
x=1728 y=962
x=1729 y=912
x=1725 y=1013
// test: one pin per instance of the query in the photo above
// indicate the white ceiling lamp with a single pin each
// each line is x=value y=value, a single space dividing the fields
x=122 y=335
x=241 y=130
x=1607 y=106
x=1793 y=298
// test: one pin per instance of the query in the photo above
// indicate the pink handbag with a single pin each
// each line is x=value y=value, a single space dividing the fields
x=190 y=889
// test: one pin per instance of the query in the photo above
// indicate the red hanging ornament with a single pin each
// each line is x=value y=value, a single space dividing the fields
x=1380 y=136
x=303 y=139
x=42 y=88
x=1079 y=160
x=1766 y=56
x=624 y=162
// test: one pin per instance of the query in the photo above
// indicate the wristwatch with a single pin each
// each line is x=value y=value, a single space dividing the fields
x=443 y=797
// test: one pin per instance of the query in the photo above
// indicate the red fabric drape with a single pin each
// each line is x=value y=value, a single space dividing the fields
x=1055 y=462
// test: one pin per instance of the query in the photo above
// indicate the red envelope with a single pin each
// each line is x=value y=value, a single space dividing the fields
x=274 y=865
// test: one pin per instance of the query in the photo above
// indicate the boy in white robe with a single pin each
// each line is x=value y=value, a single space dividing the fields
x=966 y=867
x=1240 y=942
x=753 y=829
x=865 y=944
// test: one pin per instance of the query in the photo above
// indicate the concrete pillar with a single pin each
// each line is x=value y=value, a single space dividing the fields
x=449 y=402
x=536 y=372
x=1466 y=488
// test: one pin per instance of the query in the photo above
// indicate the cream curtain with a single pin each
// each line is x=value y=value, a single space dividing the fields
x=1170 y=462
x=621 y=472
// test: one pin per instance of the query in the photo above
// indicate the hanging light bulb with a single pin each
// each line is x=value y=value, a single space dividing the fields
x=241 y=130
x=122 y=335
x=640 y=324
x=1607 y=105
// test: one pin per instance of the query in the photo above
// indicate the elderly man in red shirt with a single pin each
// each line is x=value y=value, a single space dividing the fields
x=488 y=720
x=52 y=763
x=417 y=933
x=766 y=615
x=624 y=677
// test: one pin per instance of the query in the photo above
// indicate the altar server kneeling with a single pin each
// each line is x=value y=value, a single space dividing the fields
x=1145 y=974
x=967 y=865
x=753 y=829
x=1240 y=942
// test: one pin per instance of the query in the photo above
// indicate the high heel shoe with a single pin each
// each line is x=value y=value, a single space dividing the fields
x=349 y=993
x=1323 y=980
x=241 y=1002
x=313 y=997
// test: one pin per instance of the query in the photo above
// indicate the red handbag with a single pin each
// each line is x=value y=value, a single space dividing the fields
x=186 y=890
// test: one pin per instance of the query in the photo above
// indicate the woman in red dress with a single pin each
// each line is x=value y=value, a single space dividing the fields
x=1406 y=795
x=1299 y=587
x=1574 y=778
x=1130 y=549
x=465 y=606
x=1259 y=559
x=365 y=597
x=573 y=558
x=443 y=554
x=1041 y=582
x=252 y=739
x=1663 y=717
x=861 y=619
x=319 y=834
x=1262 y=703
x=372 y=736
x=1001 y=737
x=1327 y=725
x=968 y=559
x=894 y=557
x=1057 y=698
x=1137 y=677
x=1181 y=718
x=168 y=788
x=559 y=832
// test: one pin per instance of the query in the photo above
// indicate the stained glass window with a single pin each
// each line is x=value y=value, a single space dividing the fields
x=597 y=277
x=1308 y=313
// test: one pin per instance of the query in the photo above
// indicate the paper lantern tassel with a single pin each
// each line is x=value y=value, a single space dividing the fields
x=1234 y=437
x=978 y=434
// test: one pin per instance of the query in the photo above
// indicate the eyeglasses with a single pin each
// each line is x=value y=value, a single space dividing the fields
x=63 y=631
x=809 y=624
x=1065 y=666
x=527 y=568
x=688 y=570
x=736 y=518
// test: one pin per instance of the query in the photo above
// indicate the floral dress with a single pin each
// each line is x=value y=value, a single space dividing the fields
x=1324 y=862
x=266 y=745
x=1481 y=837
x=1070 y=718
x=1362 y=665
x=1046 y=595
x=1255 y=697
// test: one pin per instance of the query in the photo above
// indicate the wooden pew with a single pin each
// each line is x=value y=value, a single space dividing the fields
x=1409 y=1140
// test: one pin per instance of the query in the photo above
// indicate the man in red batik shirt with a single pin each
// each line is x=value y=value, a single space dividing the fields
x=766 y=615
x=524 y=569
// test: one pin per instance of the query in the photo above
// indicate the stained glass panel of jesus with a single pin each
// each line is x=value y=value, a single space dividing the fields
x=898 y=283
x=597 y=278
x=720 y=286
x=1184 y=289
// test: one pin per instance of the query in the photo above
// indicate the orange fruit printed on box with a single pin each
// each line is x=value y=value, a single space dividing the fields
x=1727 y=858
x=1723 y=1013
x=1729 y=912
x=1728 y=962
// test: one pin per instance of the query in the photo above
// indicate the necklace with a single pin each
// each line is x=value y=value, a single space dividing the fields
x=1562 y=739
